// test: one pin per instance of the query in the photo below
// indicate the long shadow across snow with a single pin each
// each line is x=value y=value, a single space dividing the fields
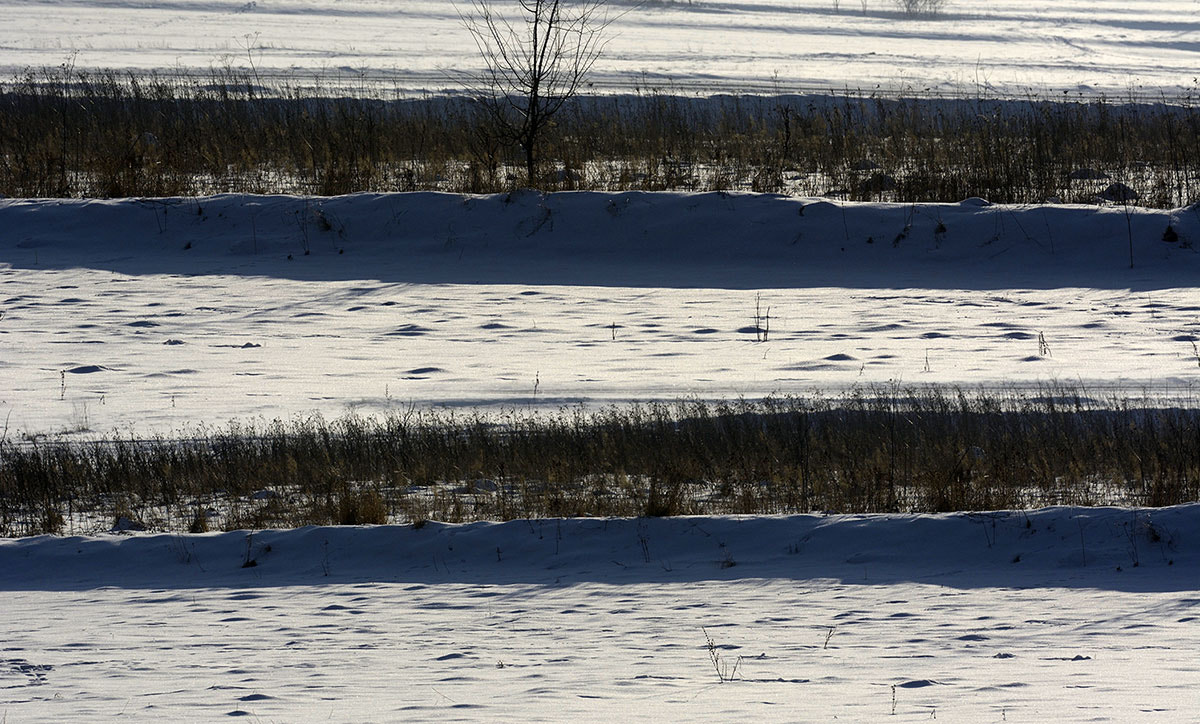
x=1142 y=550
x=666 y=240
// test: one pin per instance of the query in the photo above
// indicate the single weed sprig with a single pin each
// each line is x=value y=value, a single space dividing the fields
x=762 y=320
x=724 y=670
x=1043 y=346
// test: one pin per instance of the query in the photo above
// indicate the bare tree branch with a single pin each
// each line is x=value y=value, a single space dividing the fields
x=534 y=63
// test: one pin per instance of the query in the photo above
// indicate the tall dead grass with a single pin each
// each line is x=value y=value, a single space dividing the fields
x=67 y=133
x=866 y=450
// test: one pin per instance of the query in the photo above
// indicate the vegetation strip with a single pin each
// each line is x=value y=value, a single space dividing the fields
x=865 y=450
x=71 y=133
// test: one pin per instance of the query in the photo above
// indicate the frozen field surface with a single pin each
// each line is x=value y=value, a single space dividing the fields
x=152 y=315
x=1012 y=47
x=149 y=316
x=1063 y=614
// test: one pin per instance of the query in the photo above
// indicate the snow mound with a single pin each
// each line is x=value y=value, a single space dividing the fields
x=1127 y=549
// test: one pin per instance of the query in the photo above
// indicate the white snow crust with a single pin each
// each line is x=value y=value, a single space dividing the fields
x=1062 y=614
x=149 y=316
x=145 y=316
x=977 y=47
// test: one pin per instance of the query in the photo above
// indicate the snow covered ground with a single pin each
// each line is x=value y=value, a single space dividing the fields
x=1079 y=615
x=154 y=315
x=160 y=314
x=1011 y=47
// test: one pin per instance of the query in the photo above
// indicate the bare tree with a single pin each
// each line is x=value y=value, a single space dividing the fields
x=536 y=57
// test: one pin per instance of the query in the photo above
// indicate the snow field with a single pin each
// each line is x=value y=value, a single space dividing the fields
x=156 y=315
x=973 y=47
x=149 y=316
x=972 y=618
x=144 y=317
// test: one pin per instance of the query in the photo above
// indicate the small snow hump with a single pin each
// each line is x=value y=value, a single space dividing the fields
x=424 y=370
x=87 y=369
x=1119 y=193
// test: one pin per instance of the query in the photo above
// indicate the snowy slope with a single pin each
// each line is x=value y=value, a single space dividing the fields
x=1012 y=47
x=1063 y=614
x=161 y=314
